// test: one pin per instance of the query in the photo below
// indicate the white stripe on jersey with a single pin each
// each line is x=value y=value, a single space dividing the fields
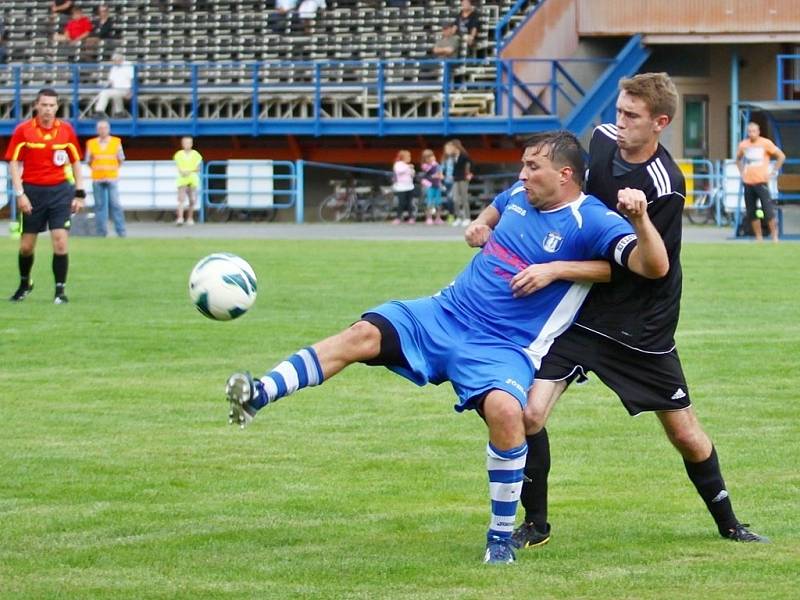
x=609 y=130
x=660 y=177
x=519 y=190
x=557 y=323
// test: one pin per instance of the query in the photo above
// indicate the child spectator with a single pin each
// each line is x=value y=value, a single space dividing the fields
x=432 y=184
x=403 y=186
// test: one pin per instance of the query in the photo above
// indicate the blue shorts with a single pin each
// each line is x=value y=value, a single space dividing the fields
x=439 y=347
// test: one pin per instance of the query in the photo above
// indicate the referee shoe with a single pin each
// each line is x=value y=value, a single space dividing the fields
x=60 y=299
x=22 y=292
x=528 y=536
x=741 y=533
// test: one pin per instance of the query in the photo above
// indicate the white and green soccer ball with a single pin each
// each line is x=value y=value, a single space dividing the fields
x=222 y=286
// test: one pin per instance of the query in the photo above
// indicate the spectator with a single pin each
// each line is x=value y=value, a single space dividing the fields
x=403 y=186
x=462 y=174
x=77 y=29
x=447 y=181
x=59 y=13
x=753 y=159
x=120 y=81
x=188 y=161
x=448 y=44
x=102 y=32
x=468 y=24
x=432 y=184
x=307 y=12
x=104 y=155
x=283 y=13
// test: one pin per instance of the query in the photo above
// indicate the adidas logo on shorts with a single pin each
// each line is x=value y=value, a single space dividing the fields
x=679 y=393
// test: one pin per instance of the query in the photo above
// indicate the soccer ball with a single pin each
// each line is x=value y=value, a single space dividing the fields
x=222 y=286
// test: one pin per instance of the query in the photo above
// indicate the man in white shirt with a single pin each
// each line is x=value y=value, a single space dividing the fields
x=120 y=81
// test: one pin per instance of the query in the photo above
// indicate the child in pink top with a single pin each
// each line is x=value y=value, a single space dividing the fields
x=403 y=185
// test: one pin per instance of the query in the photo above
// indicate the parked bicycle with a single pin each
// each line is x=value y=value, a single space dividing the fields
x=350 y=202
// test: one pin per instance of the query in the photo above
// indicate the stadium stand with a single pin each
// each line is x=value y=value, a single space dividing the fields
x=173 y=31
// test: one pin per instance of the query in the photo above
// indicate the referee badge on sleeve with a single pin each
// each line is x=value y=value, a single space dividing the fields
x=60 y=158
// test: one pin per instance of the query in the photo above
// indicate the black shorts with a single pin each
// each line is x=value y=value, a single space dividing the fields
x=52 y=207
x=643 y=381
x=391 y=352
x=759 y=191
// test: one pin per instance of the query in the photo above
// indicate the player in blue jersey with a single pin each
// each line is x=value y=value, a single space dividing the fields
x=481 y=333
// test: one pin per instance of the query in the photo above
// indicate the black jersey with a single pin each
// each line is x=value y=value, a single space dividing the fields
x=636 y=311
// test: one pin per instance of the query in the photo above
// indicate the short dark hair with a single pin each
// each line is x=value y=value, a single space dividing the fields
x=46 y=92
x=563 y=148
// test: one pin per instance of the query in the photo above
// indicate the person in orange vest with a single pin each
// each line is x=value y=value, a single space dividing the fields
x=104 y=155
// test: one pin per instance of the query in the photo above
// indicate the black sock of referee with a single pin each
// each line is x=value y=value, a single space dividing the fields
x=25 y=266
x=60 y=265
x=707 y=478
x=534 y=487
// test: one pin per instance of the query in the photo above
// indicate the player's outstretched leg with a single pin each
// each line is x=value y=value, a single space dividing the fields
x=305 y=368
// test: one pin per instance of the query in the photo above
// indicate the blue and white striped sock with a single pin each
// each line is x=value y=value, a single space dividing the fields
x=505 y=484
x=300 y=370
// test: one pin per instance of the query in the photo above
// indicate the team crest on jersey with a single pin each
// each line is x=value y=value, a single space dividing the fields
x=60 y=158
x=552 y=242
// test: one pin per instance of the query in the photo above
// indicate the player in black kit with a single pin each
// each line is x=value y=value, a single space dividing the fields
x=625 y=330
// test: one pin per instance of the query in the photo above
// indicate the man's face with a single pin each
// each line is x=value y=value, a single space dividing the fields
x=103 y=128
x=753 y=131
x=636 y=127
x=186 y=143
x=46 y=107
x=541 y=178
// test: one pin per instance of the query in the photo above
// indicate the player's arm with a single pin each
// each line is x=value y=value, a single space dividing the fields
x=779 y=157
x=649 y=257
x=80 y=192
x=740 y=160
x=478 y=232
x=23 y=203
x=537 y=276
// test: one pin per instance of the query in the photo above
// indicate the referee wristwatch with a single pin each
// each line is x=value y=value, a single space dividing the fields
x=19 y=193
x=80 y=194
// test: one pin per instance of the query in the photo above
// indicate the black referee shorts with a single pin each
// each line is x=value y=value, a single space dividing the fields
x=643 y=381
x=759 y=191
x=52 y=207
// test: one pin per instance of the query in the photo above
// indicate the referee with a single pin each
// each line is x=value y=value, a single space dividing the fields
x=40 y=155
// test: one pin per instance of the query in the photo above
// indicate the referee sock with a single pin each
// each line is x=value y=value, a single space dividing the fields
x=534 y=488
x=300 y=370
x=60 y=266
x=25 y=266
x=707 y=478
x=505 y=483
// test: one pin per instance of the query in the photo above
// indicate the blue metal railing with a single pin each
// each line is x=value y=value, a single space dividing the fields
x=374 y=83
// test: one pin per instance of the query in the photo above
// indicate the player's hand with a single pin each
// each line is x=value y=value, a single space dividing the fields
x=24 y=205
x=477 y=234
x=632 y=203
x=77 y=205
x=532 y=279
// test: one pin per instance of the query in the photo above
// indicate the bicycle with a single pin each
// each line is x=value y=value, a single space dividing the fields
x=356 y=203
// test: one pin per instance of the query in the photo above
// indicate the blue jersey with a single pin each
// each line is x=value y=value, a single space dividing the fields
x=584 y=229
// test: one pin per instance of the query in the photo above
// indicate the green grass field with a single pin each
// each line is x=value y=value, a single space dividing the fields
x=119 y=477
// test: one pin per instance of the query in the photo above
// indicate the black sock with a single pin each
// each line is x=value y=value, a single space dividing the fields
x=60 y=265
x=707 y=478
x=25 y=266
x=534 y=488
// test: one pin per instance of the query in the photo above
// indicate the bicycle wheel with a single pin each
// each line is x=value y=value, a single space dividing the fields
x=334 y=208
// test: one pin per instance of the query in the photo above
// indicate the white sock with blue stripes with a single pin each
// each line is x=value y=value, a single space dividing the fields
x=505 y=485
x=300 y=370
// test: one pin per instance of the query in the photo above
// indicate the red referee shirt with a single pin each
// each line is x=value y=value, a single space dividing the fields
x=45 y=153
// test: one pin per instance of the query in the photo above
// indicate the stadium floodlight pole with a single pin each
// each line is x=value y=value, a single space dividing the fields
x=734 y=103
